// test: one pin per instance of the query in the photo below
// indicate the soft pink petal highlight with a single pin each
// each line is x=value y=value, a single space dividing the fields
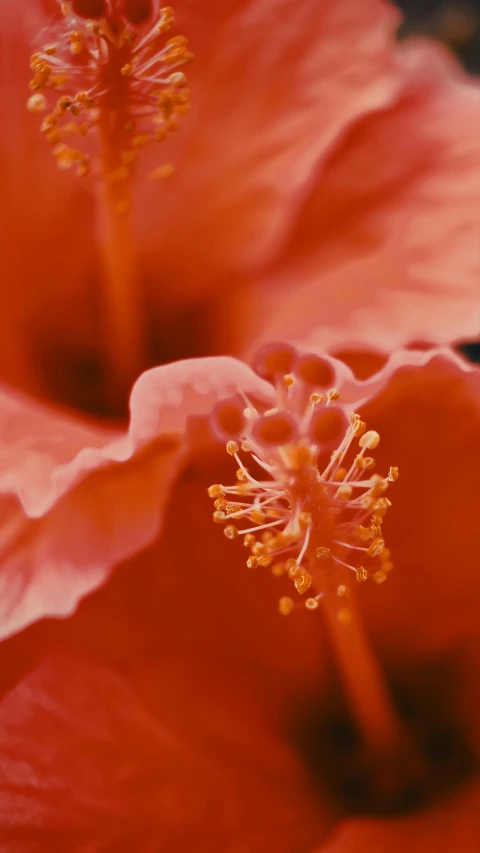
x=76 y=499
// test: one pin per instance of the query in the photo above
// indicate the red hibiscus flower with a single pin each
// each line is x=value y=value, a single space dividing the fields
x=317 y=157
x=177 y=709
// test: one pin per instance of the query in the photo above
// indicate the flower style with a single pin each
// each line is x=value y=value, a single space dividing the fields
x=197 y=716
x=316 y=152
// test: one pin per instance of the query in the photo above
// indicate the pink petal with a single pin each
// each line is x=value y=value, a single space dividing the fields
x=274 y=84
x=86 y=766
x=77 y=499
x=386 y=250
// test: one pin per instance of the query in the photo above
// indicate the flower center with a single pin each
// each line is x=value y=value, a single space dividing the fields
x=315 y=512
x=113 y=86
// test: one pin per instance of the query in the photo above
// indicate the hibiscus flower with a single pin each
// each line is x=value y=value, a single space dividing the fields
x=317 y=157
x=175 y=709
x=178 y=709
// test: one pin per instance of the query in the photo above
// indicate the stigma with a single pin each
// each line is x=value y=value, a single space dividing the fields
x=307 y=501
x=110 y=82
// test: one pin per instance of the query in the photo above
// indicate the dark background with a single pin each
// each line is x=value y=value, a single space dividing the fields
x=455 y=22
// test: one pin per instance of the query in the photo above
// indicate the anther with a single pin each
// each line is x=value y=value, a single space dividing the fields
x=323 y=553
x=370 y=439
x=230 y=531
x=37 y=103
x=130 y=83
x=285 y=605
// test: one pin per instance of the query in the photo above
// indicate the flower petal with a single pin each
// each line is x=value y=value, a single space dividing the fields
x=445 y=827
x=386 y=250
x=274 y=84
x=77 y=499
x=428 y=417
x=91 y=768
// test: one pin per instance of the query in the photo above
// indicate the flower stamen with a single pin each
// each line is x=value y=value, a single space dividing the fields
x=112 y=91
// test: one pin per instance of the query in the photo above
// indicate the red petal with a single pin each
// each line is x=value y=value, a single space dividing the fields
x=450 y=826
x=86 y=765
x=428 y=417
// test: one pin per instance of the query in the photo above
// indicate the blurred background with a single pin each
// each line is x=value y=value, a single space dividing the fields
x=455 y=22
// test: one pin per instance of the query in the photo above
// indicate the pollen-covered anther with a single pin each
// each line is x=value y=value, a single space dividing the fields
x=215 y=491
x=376 y=548
x=285 y=605
x=323 y=553
x=309 y=507
x=302 y=582
x=37 y=103
x=361 y=574
x=344 y=492
x=126 y=82
x=230 y=531
x=219 y=517
x=370 y=439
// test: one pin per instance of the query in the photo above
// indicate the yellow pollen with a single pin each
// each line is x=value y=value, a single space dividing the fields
x=370 y=439
x=376 y=548
x=37 y=103
x=117 y=78
x=323 y=553
x=311 y=515
x=302 y=582
x=285 y=605
x=215 y=491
